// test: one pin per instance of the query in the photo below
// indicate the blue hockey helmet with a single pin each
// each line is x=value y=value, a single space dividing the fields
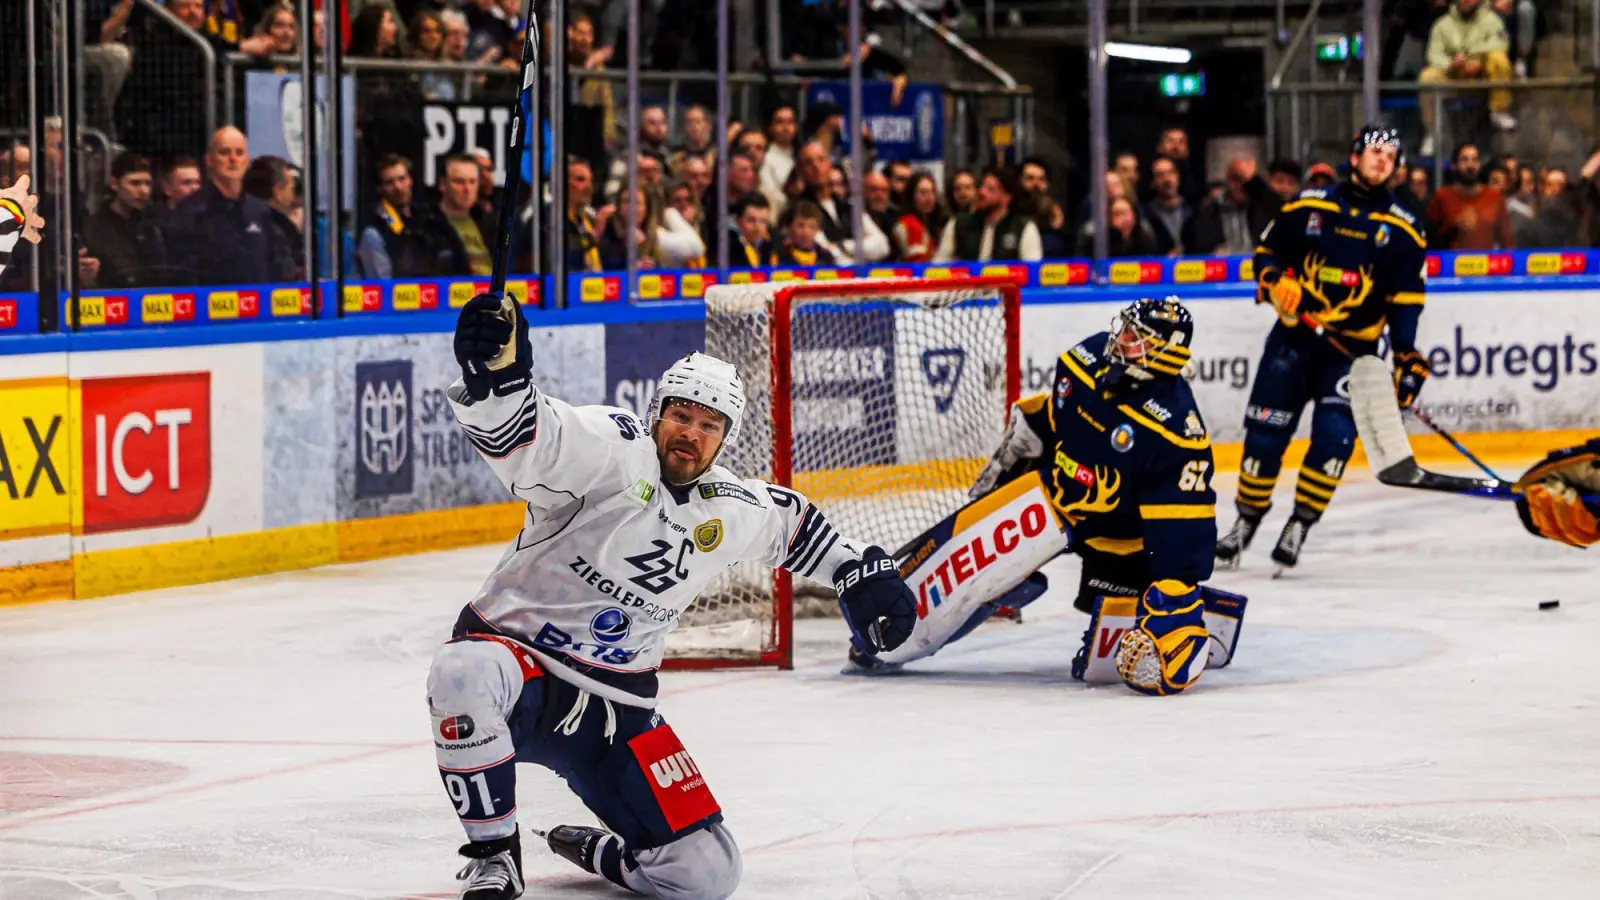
x=1150 y=338
x=1379 y=134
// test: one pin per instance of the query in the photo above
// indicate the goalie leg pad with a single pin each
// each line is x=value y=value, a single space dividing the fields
x=1224 y=618
x=1165 y=652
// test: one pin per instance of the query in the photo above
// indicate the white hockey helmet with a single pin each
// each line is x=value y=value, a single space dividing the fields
x=707 y=381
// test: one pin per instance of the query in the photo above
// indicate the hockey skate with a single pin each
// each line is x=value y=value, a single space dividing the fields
x=1230 y=550
x=577 y=844
x=1287 y=553
x=494 y=870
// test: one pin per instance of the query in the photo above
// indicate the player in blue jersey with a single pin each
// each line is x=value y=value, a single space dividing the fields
x=1346 y=260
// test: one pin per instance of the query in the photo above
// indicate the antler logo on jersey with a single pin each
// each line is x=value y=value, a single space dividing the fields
x=942 y=367
x=457 y=728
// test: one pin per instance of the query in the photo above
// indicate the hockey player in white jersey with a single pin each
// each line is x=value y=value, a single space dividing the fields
x=19 y=218
x=554 y=661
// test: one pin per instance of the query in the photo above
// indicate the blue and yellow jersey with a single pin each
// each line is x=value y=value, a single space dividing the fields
x=1359 y=257
x=1129 y=470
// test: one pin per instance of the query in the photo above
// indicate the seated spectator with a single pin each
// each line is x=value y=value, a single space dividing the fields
x=1000 y=227
x=1469 y=215
x=652 y=142
x=1126 y=165
x=122 y=235
x=107 y=59
x=838 y=217
x=1497 y=177
x=1127 y=236
x=802 y=243
x=1420 y=181
x=682 y=202
x=456 y=35
x=374 y=34
x=961 y=192
x=583 y=224
x=697 y=175
x=1054 y=241
x=280 y=26
x=1400 y=186
x=678 y=241
x=220 y=234
x=397 y=244
x=1228 y=221
x=458 y=198
x=752 y=241
x=1320 y=176
x=1167 y=212
x=1522 y=20
x=839 y=184
x=428 y=45
x=1283 y=177
x=884 y=214
x=697 y=142
x=1558 y=218
x=179 y=179
x=639 y=222
x=1522 y=203
x=1034 y=176
x=1116 y=186
x=922 y=224
x=1469 y=42
x=273 y=181
x=899 y=173
x=782 y=129
x=488 y=195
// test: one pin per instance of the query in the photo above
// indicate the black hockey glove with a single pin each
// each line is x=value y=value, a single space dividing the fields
x=878 y=606
x=492 y=347
x=1411 y=369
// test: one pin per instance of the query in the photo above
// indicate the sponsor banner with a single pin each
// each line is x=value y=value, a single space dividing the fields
x=274 y=117
x=1501 y=362
x=912 y=131
x=168 y=307
x=398 y=448
x=19 y=313
x=35 y=457
x=638 y=352
x=844 y=374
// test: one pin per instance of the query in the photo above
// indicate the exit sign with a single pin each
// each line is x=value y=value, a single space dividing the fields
x=1192 y=84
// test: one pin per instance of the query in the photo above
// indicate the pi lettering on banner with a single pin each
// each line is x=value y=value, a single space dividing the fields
x=146 y=450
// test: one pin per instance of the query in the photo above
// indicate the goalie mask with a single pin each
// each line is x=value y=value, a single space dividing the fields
x=1149 y=340
x=705 y=381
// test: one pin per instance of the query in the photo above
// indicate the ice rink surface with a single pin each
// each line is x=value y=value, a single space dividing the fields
x=1401 y=721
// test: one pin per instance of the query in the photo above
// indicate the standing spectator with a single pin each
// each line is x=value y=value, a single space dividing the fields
x=1228 y=222
x=961 y=192
x=374 y=34
x=428 y=45
x=1174 y=145
x=752 y=241
x=1469 y=215
x=398 y=243
x=1523 y=201
x=592 y=127
x=279 y=25
x=640 y=222
x=458 y=197
x=271 y=180
x=802 y=240
x=1521 y=18
x=488 y=194
x=220 y=234
x=838 y=218
x=899 y=174
x=1128 y=235
x=880 y=207
x=583 y=224
x=179 y=179
x=998 y=229
x=1469 y=42
x=122 y=235
x=779 y=162
x=1116 y=186
x=1168 y=212
x=1557 y=221
x=697 y=141
x=1283 y=177
x=922 y=224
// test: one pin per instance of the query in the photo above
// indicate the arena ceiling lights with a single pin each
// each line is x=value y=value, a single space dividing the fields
x=1149 y=53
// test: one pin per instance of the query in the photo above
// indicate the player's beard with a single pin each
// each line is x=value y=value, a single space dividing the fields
x=677 y=470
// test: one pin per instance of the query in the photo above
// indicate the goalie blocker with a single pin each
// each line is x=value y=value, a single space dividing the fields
x=987 y=555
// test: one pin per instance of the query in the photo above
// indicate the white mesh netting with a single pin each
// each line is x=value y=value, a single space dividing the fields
x=896 y=400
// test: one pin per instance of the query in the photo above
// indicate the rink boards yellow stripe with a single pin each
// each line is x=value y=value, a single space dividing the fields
x=104 y=572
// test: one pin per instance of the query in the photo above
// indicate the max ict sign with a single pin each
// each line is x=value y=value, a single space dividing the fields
x=34 y=440
x=146 y=450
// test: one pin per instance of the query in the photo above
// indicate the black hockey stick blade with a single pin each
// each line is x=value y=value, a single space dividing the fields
x=1383 y=436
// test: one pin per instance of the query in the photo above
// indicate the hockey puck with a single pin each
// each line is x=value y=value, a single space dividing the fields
x=1549 y=604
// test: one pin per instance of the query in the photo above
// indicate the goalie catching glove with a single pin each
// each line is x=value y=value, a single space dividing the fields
x=492 y=346
x=879 y=608
x=1549 y=496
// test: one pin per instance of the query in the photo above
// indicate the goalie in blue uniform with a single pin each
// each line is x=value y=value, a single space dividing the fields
x=1113 y=464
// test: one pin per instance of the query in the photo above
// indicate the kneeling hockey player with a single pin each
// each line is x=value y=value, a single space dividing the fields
x=1117 y=455
x=554 y=661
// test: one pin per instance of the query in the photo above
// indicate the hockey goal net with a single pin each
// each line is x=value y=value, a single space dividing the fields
x=878 y=400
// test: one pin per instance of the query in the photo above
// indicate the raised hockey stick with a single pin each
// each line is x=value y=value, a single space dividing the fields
x=521 y=108
x=1421 y=416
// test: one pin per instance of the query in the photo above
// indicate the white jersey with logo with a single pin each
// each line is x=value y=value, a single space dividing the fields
x=10 y=231
x=610 y=555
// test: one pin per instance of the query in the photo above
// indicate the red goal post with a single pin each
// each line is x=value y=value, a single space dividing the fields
x=879 y=400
